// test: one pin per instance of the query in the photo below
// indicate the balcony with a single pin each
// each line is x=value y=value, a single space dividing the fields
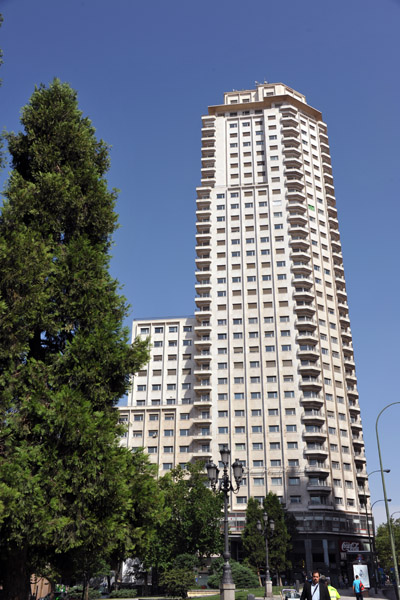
x=292 y=163
x=202 y=400
x=316 y=450
x=201 y=419
x=312 y=400
x=305 y=336
x=297 y=218
x=201 y=455
x=302 y=293
x=300 y=254
x=313 y=416
x=302 y=279
x=296 y=207
x=356 y=426
x=304 y=309
x=352 y=392
x=293 y=173
x=314 y=433
x=202 y=435
x=203 y=371
x=288 y=120
x=305 y=322
x=321 y=506
x=296 y=229
x=317 y=469
x=202 y=357
x=322 y=487
x=202 y=385
x=309 y=382
x=289 y=141
x=309 y=368
x=330 y=199
x=290 y=131
x=291 y=151
x=293 y=194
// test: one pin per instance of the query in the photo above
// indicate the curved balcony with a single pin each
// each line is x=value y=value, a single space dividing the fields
x=305 y=310
x=329 y=189
x=356 y=426
x=311 y=383
x=290 y=131
x=292 y=163
x=344 y=320
x=296 y=207
x=318 y=469
x=333 y=223
x=336 y=246
x=294 y=174
x=201 y=455
x=346 y=334
x=313 y=416
x=291 y=151
x=302 y=279
x=203 y=371
x=202 y=386
x=352 y=393
x=316 y=450
x=330 y=199
x=299 y=243
x=305 y=336
x=297 y=218
x=300 y=254
x=302 y=293
x=354 y=408
x=322 y=488
x=202 y=357
x=201 y=435
x=202 y=420
x=288 y=120
x=313 y=400
x=295 y=229
x=293 y=194
x=305 y=322
x=290 y=141
x=300 y=268
x=308 y=367
x=341 y=293
x=307 y=351
x=314 y=433
x=202 y=262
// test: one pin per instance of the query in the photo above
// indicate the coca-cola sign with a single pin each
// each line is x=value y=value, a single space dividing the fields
x=347 y=546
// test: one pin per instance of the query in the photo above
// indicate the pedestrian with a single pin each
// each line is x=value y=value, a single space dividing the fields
x=358 y=588
x=333 y=593
x=316 y=590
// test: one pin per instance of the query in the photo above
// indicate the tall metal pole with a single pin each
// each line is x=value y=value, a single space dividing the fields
x=227 y=571
x=393 y=547
x=369 y=541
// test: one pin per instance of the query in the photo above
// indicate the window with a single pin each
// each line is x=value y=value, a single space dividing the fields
x=222 y=413
x=269 y=348
x=138 y=418
x=239 y=413
x=240 y=429
x=167 y=466
x=290 y=411
x=276 y=480
x=239 y=396
x=272 y=412
x=184 y=432
x=222 y=380
x=294 y=480
x=292 y=445
x=293 y=462
x=291 y=428
x=257 y=446
x=256 y=429
x=289 y=394
x=141 y=388
x=273 y=428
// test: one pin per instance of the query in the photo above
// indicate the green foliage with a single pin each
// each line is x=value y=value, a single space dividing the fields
x=279 y=544
x=382 y=543
x=75 y=593
x=253 y=538
x=65 y=360
x=193 y=524
x=186 y=561
x=243 y=577
x=123 y=594
x=177 y=582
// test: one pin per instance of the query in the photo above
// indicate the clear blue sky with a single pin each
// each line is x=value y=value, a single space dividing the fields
x=145 y=73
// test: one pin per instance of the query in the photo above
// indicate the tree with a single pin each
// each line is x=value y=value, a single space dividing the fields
x=382 y=543
x=65 y=360
x=279 y=544
x=253 y=538
x=243 y=577
x=177 y=582
x=194 y=522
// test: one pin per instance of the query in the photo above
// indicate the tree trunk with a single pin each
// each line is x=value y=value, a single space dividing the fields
x=85 y=590
x=16 y=577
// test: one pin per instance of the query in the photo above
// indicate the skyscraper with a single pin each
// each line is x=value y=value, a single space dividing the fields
x=266 y=364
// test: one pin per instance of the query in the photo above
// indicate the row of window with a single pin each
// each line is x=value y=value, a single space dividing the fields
x=171 y=329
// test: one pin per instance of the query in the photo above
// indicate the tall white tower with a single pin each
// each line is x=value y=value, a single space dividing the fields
x=270 y=371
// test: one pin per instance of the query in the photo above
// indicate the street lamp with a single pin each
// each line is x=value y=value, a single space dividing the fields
x=394 y=513
x=224 y=484
x=393 y=547
x=269 y=524
x=372 y=544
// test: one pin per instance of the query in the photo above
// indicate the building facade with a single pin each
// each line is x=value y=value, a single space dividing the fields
x=266 y=364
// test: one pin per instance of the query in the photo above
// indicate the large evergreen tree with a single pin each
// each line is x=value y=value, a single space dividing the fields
x=253 y=536
x=279 y=543
x=64 y=356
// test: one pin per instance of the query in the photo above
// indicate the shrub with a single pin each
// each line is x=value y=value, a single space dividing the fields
x=243 y=577
x=123 y=594
x=177 y=582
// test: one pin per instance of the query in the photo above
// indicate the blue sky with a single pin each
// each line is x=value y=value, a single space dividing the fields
x=146 y=71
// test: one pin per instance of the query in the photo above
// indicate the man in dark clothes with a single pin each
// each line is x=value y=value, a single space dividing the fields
x=316 y=590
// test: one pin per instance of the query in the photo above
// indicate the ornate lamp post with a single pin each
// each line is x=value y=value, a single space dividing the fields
x=268 y=524
x=224 y=484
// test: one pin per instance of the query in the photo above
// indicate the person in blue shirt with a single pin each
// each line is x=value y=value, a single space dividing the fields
x=357 y=588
